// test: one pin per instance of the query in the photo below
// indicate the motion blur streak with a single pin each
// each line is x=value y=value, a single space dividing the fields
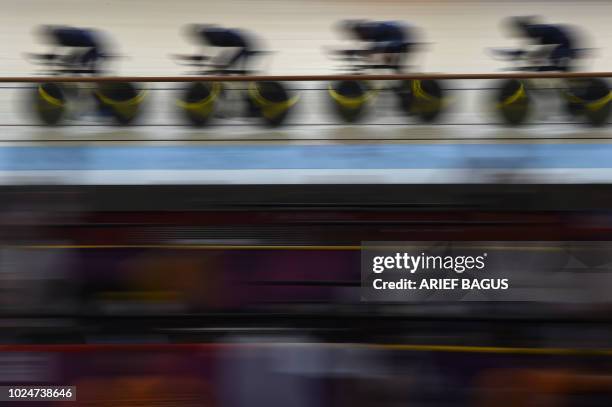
x=263 y=300
x=200 y=243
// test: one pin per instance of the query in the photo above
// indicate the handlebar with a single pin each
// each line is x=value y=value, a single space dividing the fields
x=507 y=54
x=540 y=59
x=516 y=55
x=355 y=61
x=208 y=67
x=62 y=63
x=358 y=61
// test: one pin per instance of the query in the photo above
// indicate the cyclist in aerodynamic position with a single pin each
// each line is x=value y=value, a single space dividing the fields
x=239 y=43
x=554 y=46
x=387 y=42
x=77 y=49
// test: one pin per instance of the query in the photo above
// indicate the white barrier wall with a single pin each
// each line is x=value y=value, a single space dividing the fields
x=148 y=30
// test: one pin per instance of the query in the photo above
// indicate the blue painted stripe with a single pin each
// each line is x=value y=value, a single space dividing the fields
x=369 y=156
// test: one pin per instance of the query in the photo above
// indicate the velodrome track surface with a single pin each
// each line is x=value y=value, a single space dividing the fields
x=357 y=163
x=466 y=146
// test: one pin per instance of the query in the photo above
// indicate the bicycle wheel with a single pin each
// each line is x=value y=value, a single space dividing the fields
x=271 y=101
x=512 y=102
x=350 y=99
x=422 y=98
x=49 y=100
x=122 y=100
x=591 y=98
x=199 y=102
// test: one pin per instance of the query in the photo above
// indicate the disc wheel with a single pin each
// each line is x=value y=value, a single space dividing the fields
x=270 y=101
x=122 y=101
x=199 y=101
x=421 y=98
x=350 y=99
x=512 y=102
x=591 y=98
x=49 y=101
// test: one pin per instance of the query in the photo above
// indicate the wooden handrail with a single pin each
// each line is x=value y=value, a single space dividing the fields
x=306 y=78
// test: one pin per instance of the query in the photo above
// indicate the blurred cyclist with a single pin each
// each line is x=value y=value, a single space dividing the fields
x=553 y=45
x=83 y=47
x=388 y=41
x=214 y=36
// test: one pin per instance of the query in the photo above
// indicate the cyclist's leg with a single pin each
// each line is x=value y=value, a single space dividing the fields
x=241 y=56
x=395 y=53
x=89 y=60
x=403 y=52
x=229 y=58
x=560 y=58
